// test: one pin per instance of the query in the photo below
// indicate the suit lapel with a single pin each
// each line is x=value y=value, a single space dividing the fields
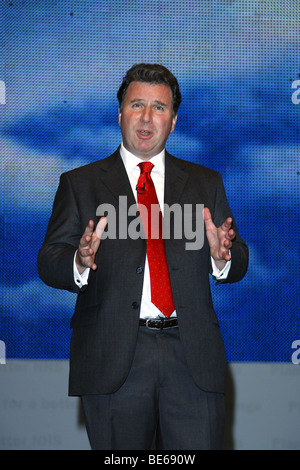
x=114 y=176
x=175 y=179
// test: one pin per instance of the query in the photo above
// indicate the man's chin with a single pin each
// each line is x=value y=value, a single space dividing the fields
x=146 y=152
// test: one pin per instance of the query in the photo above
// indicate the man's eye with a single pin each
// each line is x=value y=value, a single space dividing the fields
x=136 y=105
x=158 y=107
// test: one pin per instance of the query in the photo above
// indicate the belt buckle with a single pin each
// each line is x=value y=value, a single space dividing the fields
x=154 y=327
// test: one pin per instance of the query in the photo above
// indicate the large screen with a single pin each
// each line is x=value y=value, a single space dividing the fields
x=238 y=65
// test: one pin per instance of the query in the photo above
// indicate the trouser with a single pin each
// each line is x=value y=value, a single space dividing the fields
x=159 y=406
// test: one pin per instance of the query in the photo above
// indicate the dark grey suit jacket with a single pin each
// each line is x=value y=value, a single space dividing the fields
x=106 y=318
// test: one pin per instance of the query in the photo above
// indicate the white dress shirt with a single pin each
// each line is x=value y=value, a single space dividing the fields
x=148 y=309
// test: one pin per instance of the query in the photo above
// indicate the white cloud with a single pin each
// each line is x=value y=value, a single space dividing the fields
x=266 y=171
x=29 y=180
x=59 y=57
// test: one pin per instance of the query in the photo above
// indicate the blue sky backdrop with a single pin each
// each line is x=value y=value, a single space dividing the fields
x=62 y=63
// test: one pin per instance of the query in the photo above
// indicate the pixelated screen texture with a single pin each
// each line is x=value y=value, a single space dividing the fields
x=237 y=64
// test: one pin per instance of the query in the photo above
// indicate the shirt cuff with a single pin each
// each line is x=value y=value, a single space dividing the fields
x=220 y=274
x=80 y=279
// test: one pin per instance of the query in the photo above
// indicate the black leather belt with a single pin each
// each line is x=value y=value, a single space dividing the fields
x=158 y=323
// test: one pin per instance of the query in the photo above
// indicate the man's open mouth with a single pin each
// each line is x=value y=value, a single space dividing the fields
x=145 y=133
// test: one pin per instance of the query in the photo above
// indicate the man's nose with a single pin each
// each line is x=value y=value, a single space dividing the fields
x=147 y=114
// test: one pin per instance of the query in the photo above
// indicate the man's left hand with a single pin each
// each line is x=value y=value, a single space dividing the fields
x=219 y=238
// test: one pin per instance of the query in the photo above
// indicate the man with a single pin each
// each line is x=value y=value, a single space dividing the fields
x=149 y=365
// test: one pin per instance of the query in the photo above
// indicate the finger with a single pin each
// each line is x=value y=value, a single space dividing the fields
x=89 y=229
x=83 y=260
x=87 y=235
x=227 y=224
x=208 y=219
x=206 y=213
x=230 y=235
x=224 y=254
x=85 y=252
x=227 y=256
x=85 y=241
x=101 y=227
x=227 y=244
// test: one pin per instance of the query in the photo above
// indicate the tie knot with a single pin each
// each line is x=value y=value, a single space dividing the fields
x=146 y=167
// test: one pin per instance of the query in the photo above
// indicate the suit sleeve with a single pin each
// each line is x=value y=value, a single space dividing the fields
x=239 y=249
x=55 y=258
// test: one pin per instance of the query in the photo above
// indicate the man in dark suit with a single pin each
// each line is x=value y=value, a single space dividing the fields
x=146 y=377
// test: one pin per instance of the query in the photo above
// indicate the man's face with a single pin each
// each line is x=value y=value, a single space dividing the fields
x=146 y=118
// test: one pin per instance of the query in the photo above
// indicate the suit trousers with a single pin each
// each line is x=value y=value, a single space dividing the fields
x=159 y=406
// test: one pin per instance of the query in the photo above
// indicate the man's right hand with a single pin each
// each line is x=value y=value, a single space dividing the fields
x=89 y=245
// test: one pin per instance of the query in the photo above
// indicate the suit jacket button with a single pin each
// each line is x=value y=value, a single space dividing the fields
x=139 y=270
x=135 y=305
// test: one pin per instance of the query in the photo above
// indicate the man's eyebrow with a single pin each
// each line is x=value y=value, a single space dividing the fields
x=161 y=103
x=138 y=100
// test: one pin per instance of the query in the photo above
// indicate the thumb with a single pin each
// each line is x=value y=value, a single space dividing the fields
x=207 y=219
x=101 y=227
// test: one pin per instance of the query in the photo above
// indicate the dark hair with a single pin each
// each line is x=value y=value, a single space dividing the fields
x=151 y=73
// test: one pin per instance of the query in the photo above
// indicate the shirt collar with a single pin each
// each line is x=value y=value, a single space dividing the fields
x=131 y=161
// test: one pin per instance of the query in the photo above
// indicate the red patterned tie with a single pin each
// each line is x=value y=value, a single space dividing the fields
x=161 y=293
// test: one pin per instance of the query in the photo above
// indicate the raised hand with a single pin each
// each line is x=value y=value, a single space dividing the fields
x=219 y=238
x=89 y=245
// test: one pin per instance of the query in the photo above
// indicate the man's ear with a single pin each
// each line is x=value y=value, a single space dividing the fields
x=173 y=123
